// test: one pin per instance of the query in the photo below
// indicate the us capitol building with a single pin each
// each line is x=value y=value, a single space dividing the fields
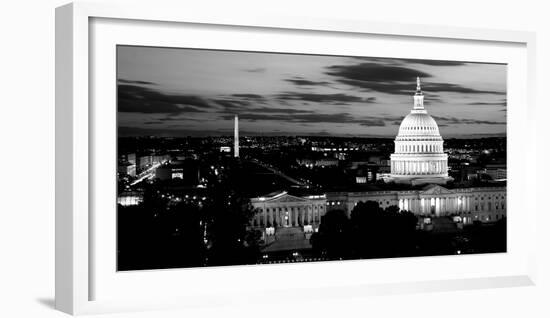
x=419 y=160
x=419 y=156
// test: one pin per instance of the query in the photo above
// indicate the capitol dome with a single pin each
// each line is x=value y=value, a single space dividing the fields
x=418 y=124
x=418 y=157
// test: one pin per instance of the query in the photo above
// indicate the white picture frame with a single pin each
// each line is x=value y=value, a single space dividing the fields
x=75 y=268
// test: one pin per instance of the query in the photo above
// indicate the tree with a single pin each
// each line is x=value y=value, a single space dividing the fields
x=381 y=232
x=333 y=238
x=159 y=237
x=228 y=213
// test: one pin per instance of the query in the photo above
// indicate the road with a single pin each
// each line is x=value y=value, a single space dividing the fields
x=147 y=174
x=278 y=172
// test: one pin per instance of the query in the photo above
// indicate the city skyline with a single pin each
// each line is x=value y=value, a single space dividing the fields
x=173 y=92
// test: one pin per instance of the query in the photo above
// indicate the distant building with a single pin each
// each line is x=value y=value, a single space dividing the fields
x=158 y=159
x=127 y=168
x=143 y=162
x=186 y=171
x=226 y=149
x=129 y=157
x=130 y=198
x=360 y=179
x=496 y=171
x=287 y=221
x=486 y=204
x=285 y=210
x=321 y=162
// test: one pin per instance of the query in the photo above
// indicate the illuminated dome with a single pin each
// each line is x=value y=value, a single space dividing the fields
x=416 y=124
x=419 y=156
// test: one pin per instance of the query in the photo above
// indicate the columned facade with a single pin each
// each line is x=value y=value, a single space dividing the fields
x=284 y=210
x=486 y=204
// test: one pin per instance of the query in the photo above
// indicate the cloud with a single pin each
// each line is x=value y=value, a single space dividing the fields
x=125 y=81
x=414 y=61
x=324 y=98
x=446 y=87
x=256 y=70
x=391 y=79
x=279 y=110
x=137 y=99
x=231 y=104
x=396 y=79
x=501 y=103
x=300 y=81
x=235 y=106
x=317 y=118
x=174 y=118
x=435 y=62
x=466 y=121
x=255 y=97
x=373 y=123
x=373 y=72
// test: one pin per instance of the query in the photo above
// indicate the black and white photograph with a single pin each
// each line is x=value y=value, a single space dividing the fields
x=255 y=158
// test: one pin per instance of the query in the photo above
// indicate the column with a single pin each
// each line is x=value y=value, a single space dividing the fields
x=265 y=217
x=296 y=217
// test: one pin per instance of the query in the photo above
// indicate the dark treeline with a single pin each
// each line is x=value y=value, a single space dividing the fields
x=373 y=232
x=369 y=232
x=211 y=232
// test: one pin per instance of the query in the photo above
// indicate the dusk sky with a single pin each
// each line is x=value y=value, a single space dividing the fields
x=181 y=92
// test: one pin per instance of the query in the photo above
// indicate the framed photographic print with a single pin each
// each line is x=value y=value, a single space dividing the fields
x=200 y=160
